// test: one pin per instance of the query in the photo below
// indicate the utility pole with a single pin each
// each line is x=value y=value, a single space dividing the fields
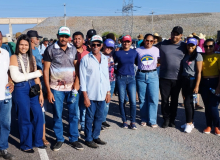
x=65 y=13
x=152 y=21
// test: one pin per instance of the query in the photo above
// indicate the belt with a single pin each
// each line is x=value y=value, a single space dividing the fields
x=145 y=71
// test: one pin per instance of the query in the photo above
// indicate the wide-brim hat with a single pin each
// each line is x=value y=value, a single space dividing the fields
x=140 y=36
x=202 y=36
x=4 y=40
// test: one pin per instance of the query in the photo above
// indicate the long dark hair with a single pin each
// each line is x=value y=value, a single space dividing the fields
x=193 y=56
x=29 y=52
x=148 y=34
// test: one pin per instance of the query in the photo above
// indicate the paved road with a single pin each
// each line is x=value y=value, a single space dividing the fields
x=144 y=143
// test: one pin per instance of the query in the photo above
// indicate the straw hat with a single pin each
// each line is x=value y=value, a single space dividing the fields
x=18 y=34
x=190 y=36
x=202 y=36
x=156 y=34
x=4 y=40
x=140 y=36
x=194 y=34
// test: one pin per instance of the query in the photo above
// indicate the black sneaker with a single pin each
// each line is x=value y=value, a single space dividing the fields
x=6 y=155
x=106 y=125
x=77 y=145
x=57 y=146
x=99 y=141
x=172 y=124
x=165 y=123
x=102 y=129
x=91 y=144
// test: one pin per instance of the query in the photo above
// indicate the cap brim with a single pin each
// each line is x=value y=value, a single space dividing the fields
x=60 y=34
x=97 y=41
x=39 y=37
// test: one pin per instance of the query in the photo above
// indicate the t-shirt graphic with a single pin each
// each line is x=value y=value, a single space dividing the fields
x=147 y=59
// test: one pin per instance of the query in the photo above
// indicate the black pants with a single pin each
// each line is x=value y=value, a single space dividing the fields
x=188 y=85
x=169 y=88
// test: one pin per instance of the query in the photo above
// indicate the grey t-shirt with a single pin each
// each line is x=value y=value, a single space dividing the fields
x=189 y=67
x=171 y=56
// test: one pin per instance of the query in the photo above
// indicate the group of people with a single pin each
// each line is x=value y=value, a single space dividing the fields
x=84 y=74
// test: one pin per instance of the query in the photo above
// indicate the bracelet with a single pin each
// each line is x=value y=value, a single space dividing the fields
x=108 y=93
x=11 y=83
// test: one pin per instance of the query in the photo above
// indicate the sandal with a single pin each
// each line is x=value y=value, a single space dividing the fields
x=143 y=124
x=46 y=143
x=197 y=107
x=154 y=125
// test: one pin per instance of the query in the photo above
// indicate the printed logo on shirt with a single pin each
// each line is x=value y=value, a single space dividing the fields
x=147 y=59
x=188 y=62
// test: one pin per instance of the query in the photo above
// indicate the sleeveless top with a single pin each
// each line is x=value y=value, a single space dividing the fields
x=24 y=58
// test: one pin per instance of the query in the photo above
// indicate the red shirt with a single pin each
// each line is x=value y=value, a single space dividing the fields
x=81 y=55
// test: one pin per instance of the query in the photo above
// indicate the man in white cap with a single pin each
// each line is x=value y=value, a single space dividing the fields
x=60 y=61
x=95 y=85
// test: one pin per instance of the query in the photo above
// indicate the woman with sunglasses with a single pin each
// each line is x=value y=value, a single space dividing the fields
x=125 y=79
x=191 y=75
x=24 y=73
x=148 y=81
x=210 y=80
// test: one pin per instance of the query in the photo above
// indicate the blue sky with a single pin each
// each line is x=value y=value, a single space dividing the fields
x=52 y=8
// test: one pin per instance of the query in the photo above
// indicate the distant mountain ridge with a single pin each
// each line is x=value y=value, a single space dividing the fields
x=207 y=23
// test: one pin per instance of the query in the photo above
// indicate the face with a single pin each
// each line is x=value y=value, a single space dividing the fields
x=0 y=39
x=107 y=50
x=63 y=39
x=148 y=42
x=175 y=37
x=96 y=47
x=23 y=46
x=191 y=48
x=35 y=41
x=155 y=41
x=209 y=47
x=78 y=41
x=46 y=42
x=126 y=44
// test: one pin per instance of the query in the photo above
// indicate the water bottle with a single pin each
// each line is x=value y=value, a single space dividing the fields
x=194 y=98
x=7 y=95
x=73 y=96
x=213 y=91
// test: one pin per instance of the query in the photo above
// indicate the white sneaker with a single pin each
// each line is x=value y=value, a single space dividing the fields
x=188 y=128
x=184 y=126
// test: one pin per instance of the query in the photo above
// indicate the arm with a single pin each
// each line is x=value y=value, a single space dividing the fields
x=108 y=94
x=76 y=85
x=82 y=74
x=199 y=70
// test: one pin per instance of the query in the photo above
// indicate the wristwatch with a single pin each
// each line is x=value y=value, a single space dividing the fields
x=108 y=93
x=11 y=83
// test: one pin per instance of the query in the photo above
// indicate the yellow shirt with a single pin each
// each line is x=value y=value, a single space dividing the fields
x=211 y=65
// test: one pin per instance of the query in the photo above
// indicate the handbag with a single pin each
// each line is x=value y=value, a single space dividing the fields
x=35 y=89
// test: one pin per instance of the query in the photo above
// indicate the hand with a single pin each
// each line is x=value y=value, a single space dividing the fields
x=196 y=90
x=11 y=86
x=108 y=98
x=50 y=97
x=41 y=99
x=217 y=91
x=117 y=49
x=87 y=102
x=40 y=71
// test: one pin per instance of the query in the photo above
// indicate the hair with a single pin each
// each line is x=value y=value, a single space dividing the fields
x=193 y=56
x=111 y=36
x=77 y=34
x=29 y=52
x=208 y=40
x=142 y=44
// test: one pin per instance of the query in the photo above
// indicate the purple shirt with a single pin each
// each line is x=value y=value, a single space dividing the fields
x=147 y=58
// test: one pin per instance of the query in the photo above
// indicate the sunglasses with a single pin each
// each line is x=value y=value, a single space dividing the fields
x=109 y=48
x=210 y=46
x=98 y=45
x=151 y=41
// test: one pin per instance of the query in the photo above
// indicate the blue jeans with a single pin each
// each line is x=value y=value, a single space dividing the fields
x=127 y=83
x=82 y=110
x=94 y=118
x=148 y=93
x=28 y=126
x=5 y=122
x=73 y=115
x=210 y=100
x=112 y=84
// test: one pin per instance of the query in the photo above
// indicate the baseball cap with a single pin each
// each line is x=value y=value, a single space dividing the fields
x=91 y=33
x=45 y=39
x=96 y=38
x=126 y=38
x=109 y=43
x=192 y=41
x=18 y=34
x=33 y=33
x=178 y=29
x=64 y=31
